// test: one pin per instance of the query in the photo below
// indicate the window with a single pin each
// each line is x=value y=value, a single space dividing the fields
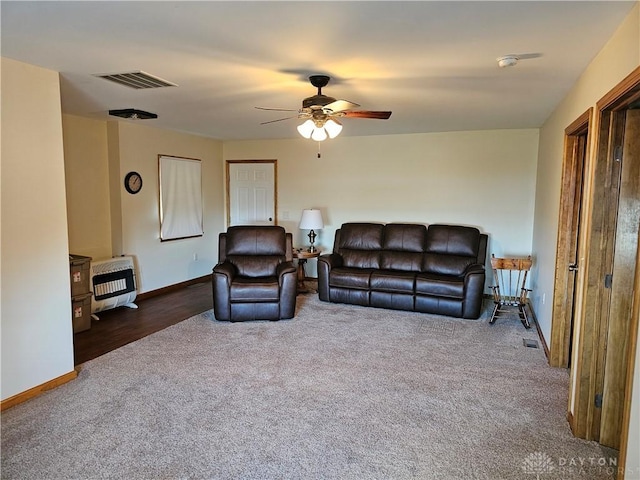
x=180 y=197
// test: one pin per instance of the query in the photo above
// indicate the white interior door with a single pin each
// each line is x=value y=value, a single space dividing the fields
x=252 y=192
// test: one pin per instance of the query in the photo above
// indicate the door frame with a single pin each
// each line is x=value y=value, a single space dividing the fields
x=227 y=165
x=568 y=248
x=587 y=368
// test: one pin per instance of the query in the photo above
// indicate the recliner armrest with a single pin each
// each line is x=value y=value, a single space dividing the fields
x=285 y=267
x=227 y=269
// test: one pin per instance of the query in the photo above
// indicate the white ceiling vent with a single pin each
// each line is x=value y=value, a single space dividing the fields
x=136 y=80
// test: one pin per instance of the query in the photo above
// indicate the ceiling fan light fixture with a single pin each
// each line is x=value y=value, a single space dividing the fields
x=320 y=129
x=319 y=134
x=306 y=129
x=333 y=128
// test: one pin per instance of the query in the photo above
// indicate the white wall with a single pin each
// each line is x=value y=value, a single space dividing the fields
x=37 y=336
x=484 y=179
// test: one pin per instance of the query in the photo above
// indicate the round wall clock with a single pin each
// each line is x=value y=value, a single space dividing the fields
x=133 y=182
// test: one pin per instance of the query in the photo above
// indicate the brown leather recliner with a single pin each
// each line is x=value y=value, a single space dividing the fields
x=255 y=278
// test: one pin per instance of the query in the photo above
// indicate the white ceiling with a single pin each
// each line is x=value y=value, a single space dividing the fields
x=432 y=63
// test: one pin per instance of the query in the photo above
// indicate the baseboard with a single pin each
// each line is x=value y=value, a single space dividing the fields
x=40 y=389
x=174 y=287
x=535 y=322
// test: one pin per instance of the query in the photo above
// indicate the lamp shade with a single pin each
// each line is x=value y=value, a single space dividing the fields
x=311 y=220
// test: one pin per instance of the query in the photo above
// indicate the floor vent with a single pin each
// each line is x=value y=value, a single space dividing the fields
x=137 y=80
x=530 y=343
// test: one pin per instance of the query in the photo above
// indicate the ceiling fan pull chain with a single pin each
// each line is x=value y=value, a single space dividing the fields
x=319 y=155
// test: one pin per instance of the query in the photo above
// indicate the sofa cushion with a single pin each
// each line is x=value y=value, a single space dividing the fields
x=453 y=240
x=446 y=264
x=439 y=285
x=392 y=281
x=360 y=244
x=405 y=237
x=394 y=300
x=350 y=277
x=405 y=261
x=361 y=236
x=450 y=249
x=361 y=258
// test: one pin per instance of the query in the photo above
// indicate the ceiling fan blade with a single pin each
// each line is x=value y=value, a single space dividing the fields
x=278 y=120
x=340 y=106
x=367 y=114
x=278 y=109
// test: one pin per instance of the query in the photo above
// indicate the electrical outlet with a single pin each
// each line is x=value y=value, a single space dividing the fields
x=195 y=257
x=544 y=297
x=285 y=215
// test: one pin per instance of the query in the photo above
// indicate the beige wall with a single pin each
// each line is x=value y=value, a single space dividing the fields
x=615 y=61
x=105 y=220
x=167 y=263
x=484 y=179
x=35 y=314
x=487 y=179
x=87 y=184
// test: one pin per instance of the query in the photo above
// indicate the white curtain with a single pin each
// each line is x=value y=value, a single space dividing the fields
x=180 y=198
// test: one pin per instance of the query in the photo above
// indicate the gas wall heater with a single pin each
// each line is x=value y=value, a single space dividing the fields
x=113 y=283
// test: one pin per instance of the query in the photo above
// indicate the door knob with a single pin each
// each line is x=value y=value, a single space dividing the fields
x=573 y=267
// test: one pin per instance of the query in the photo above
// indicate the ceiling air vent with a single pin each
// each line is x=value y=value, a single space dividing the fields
x=133 y=114
x=137 y=80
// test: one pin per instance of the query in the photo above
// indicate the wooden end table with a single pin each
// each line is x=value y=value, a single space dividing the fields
x=303 y=256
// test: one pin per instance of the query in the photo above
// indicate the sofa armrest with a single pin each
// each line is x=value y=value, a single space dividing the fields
x=474 y=278
x=325 y=264
x=474 y=269
x=332 y=260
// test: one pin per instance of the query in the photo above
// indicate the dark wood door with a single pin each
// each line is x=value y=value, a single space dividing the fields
x=567 y=251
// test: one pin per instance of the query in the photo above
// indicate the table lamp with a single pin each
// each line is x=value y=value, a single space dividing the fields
x=311 y=220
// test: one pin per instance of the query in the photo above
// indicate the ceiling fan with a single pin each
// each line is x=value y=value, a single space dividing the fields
x=322 y=112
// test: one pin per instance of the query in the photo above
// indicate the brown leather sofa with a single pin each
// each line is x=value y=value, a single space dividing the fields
x=437 y=269
x=255 y=278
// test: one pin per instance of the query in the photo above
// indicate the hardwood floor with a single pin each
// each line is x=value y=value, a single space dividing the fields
x=123 y=325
